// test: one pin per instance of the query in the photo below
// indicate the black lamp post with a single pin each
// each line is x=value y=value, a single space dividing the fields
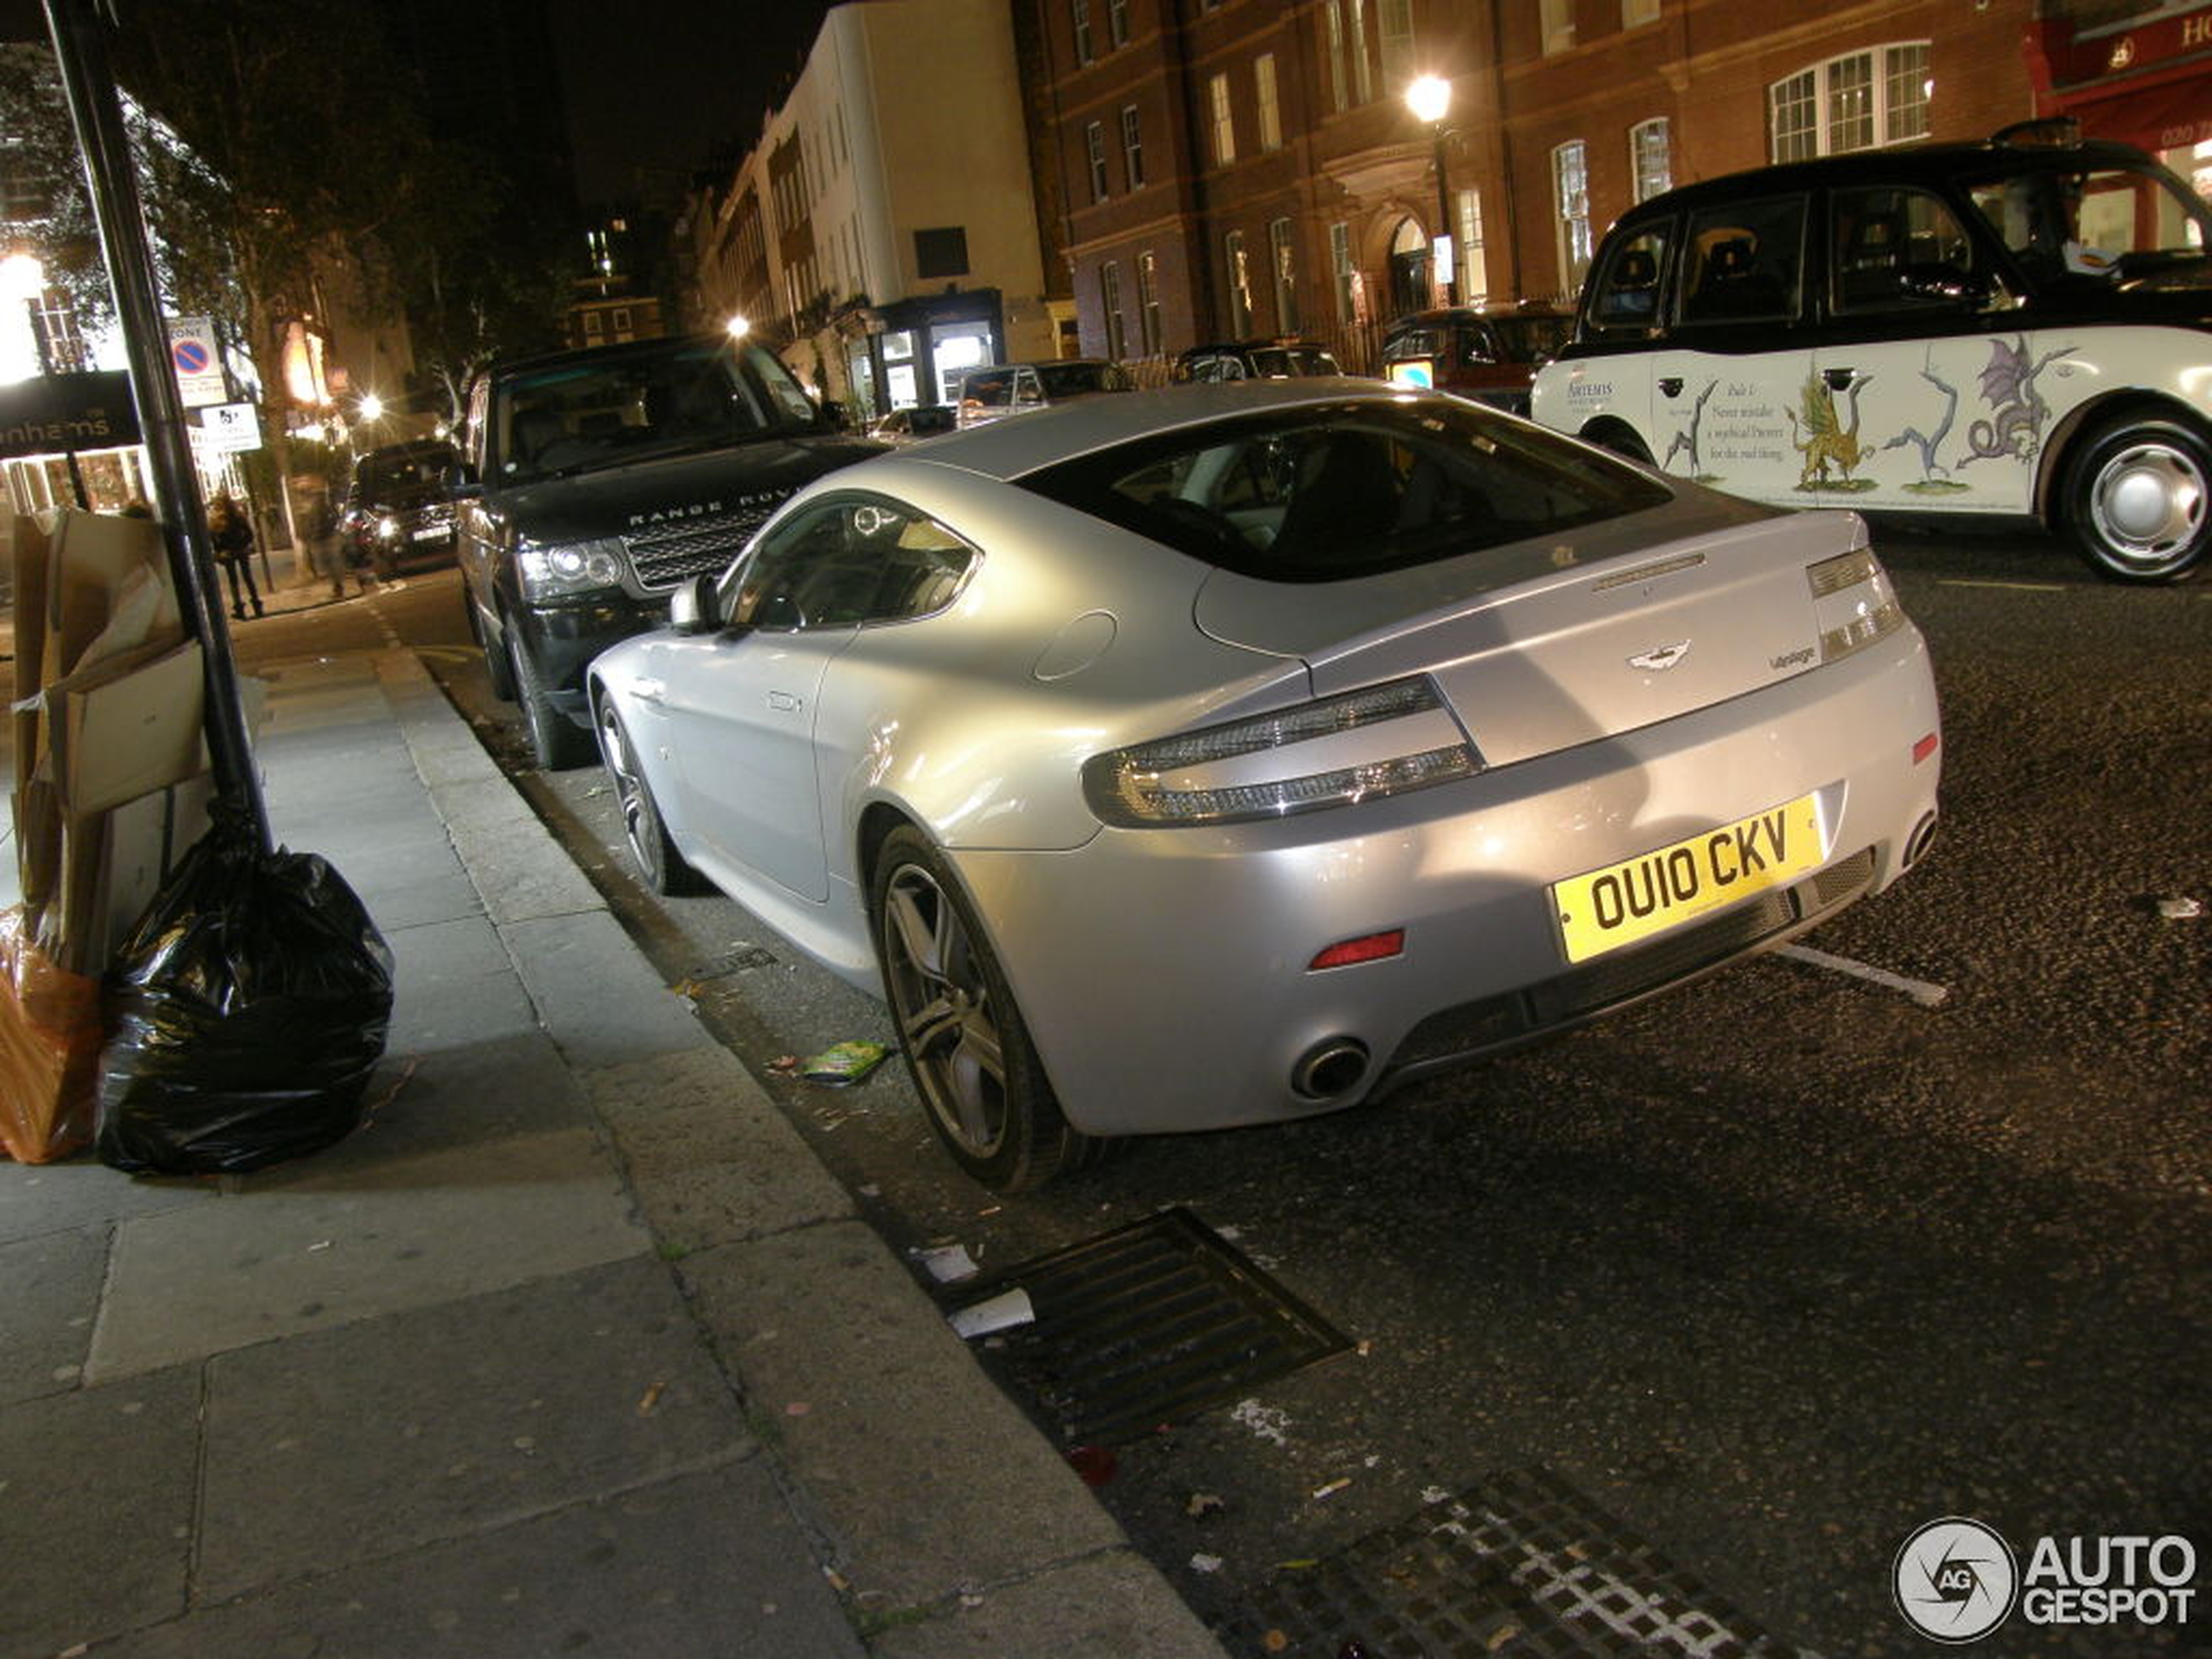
x=1429 y=99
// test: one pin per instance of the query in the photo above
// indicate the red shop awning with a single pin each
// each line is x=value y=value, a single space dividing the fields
x=2164 y=115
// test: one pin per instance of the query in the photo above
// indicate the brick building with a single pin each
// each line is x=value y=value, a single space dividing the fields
x=1234 y=167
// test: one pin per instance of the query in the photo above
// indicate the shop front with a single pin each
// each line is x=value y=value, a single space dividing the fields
x=2144 y=79
x=916 y=351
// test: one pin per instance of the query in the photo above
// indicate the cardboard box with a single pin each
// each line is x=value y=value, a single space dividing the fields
x=114 y=862
x=125 y=726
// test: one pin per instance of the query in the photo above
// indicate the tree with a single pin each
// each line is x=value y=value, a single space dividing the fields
x=280 y=142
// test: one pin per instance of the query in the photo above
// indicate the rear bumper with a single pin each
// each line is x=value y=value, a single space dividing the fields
x=1162 y=973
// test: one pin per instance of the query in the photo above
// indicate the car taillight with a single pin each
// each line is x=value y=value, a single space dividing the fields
x=1853 y=603
x=1384 y=740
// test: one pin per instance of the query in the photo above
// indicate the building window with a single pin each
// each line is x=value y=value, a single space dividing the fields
x=1558 y=16
x=1083 y=52
x=1854 y=102
x=1474 y=270
x=1240 y=284
x=1341 y=272
x=1637 y=13
x=1117 y=22
x=1271 y=109
x=941 y=253
x=1651 y=162
x=1224 y=121
x=1095 y=143
x=1109 y=300
x=1282 y=258
x=1397 y=20
x=1363 y=78
x=1332 y=16
x=1571 y=206
x=1132 y=146
x=1147 y=302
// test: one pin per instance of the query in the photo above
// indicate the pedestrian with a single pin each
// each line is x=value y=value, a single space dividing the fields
x=325 y=547
x=233 y=540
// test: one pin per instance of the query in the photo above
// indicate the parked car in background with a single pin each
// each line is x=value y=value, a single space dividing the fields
x=1227 y=754
x=595 y=483
x=988 y=395
x=1488 y=353
x=2013 y=330
x=1256 y=359
x=925 y=420
x=399 y=509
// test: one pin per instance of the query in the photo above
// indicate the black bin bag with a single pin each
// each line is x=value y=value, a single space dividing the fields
x=247 y=1010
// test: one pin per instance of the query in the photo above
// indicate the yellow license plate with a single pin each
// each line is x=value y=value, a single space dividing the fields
x=1638 y=897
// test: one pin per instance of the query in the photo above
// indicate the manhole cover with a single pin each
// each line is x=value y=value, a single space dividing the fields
x=1148 y=1325
x=1519 y=1567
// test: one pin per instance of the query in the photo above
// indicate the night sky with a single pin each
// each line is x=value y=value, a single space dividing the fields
x=655 y=87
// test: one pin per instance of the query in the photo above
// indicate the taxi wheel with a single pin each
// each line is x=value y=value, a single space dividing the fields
x=980 y=1081
x=2139 y=501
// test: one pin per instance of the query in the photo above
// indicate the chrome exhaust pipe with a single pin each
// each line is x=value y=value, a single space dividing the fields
x=1331 y=1067
x=1917 y=843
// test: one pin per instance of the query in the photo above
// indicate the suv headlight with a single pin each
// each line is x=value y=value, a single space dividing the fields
x=573 y=568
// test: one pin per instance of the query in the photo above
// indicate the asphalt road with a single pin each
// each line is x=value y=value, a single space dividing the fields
x=1771 y=1271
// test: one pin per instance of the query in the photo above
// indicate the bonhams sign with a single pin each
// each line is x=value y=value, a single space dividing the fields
x=55 y=412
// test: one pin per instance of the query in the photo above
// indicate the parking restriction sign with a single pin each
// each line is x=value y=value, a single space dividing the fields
x=198 y=365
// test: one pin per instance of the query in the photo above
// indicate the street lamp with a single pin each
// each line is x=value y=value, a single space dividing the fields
x=1429 y=99
x=738 y=327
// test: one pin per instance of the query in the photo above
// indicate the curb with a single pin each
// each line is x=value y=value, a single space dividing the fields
x=949 y=1522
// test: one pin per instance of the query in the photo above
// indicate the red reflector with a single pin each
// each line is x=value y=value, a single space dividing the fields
x=1372 y=949
x=1923 y=749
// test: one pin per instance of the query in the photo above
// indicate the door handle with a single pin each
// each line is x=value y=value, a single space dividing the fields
x=1840 y=380
x=1671 y=386
x=784 y=702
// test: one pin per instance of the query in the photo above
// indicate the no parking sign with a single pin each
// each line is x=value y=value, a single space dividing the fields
x=198 y=365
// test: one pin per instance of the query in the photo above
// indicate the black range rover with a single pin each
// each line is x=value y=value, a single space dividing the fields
x=593 y=482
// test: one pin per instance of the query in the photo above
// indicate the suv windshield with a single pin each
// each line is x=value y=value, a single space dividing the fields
x=584 y=414
x=1072 y=379
x=1322 y=493
x=2097 y=221
x=387 y=474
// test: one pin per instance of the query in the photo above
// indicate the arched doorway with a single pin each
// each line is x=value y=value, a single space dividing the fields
x=1409 y=268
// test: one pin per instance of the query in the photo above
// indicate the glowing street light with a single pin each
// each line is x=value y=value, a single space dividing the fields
x=738 y=327
x=372 y=407
x=1429 y=99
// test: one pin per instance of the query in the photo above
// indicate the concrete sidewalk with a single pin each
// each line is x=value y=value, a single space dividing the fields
x=574 y=1346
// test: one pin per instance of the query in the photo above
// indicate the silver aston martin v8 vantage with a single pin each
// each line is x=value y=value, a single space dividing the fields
x=1229 y=753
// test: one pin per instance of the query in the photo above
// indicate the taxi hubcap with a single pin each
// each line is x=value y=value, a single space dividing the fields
x=2149 y=501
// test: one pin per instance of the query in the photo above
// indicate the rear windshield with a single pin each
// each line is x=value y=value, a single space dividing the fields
x=1289 y=362
x=1323 y=493
x=1072 y=379
x=602 y=411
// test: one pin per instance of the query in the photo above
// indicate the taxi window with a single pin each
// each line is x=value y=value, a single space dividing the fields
x=1882 y=235
x=1626 y=296
x=1744 y=262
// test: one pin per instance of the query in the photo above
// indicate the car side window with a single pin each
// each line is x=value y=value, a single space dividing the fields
x=1745 y=262
x=1895 y=250
x=844 y=562
x=1625 y=298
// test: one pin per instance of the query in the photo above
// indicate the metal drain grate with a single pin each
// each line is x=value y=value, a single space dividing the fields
x=1523 y=1567
x=1148 y=1325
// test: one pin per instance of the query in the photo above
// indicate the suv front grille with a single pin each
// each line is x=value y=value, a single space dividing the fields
x=671 y=553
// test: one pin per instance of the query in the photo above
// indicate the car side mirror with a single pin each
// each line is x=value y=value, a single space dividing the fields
x=694 y=608
x=832 y=414
x=1942 y=280
x=462 y=482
